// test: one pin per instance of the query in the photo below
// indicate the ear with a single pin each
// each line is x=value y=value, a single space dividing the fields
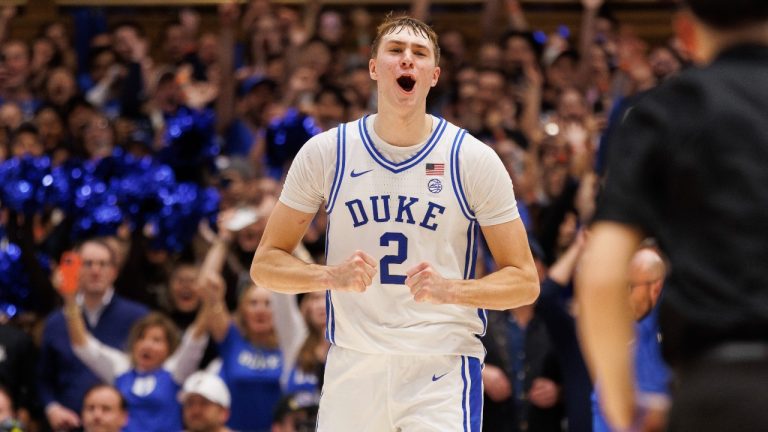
x=224 y=415
x=435 y=76
x=685 y=29
x=372 y=69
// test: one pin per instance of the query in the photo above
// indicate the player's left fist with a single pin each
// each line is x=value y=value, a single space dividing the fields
x=427 y=285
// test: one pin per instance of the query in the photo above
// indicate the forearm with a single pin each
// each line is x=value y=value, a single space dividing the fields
x=562 y=270
x=606 y=333
x=75 y=323
x=280 y=271
x=104 y=361
x=530 y=118
x=586 y=39
x=226 y=100
x=216 y=257
x=516 y=16
x=420 y=9
x=605 y=319
x=186 y=358
x=506 y=288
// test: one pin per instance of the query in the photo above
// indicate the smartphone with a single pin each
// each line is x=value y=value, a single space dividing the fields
x=69 y=267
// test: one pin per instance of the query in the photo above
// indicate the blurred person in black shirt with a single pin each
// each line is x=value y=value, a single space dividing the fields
x=689 y=167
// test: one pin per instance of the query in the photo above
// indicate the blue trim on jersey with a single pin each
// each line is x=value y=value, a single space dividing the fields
x=408 y=163
x=341 y=158
x=483 y=314
x=470 y=260
x=475 y=394
x=464 y=394
x=470 y=257
x=468 y=253
x=458 y=189
x=330 y=316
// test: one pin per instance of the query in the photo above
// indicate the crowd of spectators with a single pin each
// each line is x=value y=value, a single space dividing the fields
x=161 y=166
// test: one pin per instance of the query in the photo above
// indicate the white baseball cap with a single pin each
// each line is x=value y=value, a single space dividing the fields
x=207 y=385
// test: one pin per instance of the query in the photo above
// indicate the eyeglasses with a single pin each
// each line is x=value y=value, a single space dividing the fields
x=96 y=263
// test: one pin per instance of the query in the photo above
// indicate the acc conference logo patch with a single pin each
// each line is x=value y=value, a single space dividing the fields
x=435 y=186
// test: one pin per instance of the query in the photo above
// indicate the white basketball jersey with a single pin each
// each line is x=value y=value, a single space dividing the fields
x=402 y=214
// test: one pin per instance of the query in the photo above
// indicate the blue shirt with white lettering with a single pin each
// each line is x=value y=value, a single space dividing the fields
x=300 y=381
x=151 y=400
x=253 y=376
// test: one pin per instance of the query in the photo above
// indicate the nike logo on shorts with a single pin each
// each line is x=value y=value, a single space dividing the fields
x=354 y=174
x=435 y=378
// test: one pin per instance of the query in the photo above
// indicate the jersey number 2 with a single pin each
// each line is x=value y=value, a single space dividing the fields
x=399 y=258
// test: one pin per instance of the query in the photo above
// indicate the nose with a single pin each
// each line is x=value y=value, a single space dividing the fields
x=407 y=59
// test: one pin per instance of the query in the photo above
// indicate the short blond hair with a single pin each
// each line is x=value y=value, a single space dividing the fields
x=394 y=24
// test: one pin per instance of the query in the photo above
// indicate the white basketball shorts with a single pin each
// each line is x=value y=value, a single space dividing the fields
x=400 y=393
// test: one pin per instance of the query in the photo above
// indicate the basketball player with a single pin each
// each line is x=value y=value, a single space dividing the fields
x=406 y=194
x=690 y=167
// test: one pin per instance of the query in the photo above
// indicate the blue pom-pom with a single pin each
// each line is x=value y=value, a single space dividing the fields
x=14 y=279
x=184 y=206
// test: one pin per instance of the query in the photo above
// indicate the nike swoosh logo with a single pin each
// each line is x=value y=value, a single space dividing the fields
x=354 y=174
x=435 y=378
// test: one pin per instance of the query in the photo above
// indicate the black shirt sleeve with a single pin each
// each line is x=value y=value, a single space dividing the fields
x=634 y=166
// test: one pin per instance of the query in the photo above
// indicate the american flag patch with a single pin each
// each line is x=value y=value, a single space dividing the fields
x=435 y=169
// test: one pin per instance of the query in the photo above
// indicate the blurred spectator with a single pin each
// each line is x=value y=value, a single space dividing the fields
x=555 y=307
x=15 y=88
x=57 y=32
x=251 y=360
x=205 y=402
x=25 y=142
x=522 y=377
x=63 y=378
x=51 y=133
x=296 y=413
x=185 y=301
x=45 y=57
x=17 y=369
x=150 y=375
x=306 y=373
x=8 y=422
x=104 y=409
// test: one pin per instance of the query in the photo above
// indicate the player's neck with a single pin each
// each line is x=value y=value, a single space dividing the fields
x=403 y=130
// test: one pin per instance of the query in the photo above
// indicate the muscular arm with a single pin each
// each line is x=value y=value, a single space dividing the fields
x=273 y=265
x=605 y=319
x=514 y=284
x=275 y=268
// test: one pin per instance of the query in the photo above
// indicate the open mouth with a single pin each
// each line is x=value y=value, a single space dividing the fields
x=406 y=83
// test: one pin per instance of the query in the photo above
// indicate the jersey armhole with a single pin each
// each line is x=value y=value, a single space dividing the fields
x=341 y=144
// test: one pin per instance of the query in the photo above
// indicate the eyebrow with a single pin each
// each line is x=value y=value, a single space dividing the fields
x=399 y=42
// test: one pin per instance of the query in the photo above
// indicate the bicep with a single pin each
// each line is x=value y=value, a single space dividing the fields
x=285 y=228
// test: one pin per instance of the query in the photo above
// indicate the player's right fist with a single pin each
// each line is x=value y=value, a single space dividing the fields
x=355 y=274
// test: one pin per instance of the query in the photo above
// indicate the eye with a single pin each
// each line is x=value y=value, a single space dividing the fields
x=395 y=50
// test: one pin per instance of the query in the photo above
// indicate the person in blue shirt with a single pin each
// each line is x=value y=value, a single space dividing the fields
x=150 y=375
x=62 y=378
x=251 y=361
x=646 y=277
x=306 y=373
